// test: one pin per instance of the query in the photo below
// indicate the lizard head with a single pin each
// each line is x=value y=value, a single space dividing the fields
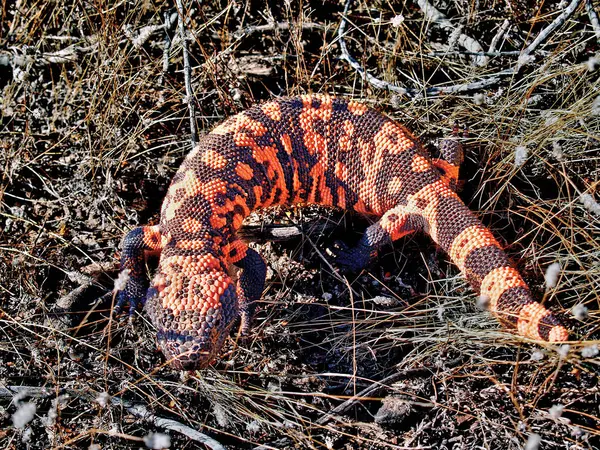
x=193 y=313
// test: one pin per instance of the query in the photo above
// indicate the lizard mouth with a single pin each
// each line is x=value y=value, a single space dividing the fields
x=191 y=331
x=190 y=339
x=187 y=351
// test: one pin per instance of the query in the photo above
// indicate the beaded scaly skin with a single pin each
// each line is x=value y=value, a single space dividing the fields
x=312 y=149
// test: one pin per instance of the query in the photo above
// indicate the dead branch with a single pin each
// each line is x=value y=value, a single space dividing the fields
x=278 y=232
x=170 y=20
x=464 y=41
x=279 y=26
x=346 y=56
x=69 y=54
x=187 y=70
x=499 y=35
x=567 y=12
x=433 y=91
x=413 y=93
x=138 y=410
x=593 y=15
x=139 y=37
x=168 y=424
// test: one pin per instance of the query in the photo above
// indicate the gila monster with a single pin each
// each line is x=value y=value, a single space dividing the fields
x=311 y=149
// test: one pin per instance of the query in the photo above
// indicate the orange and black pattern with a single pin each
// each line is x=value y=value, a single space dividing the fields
x=310 y=149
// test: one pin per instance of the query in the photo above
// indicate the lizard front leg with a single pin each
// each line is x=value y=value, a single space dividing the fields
x=137 y=245
x=251 y=281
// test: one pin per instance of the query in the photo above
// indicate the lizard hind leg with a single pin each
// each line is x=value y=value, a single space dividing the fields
x=394 y=224
x=137 y=245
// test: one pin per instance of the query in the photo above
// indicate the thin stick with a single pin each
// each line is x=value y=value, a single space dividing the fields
x=464 y=41
x=137 y=410
x=346 y=56
x=280 y=26
x=188 y=75
x=433 y=91
x=169 y=424
x=378 y=385
x=402 y=90
x=567 y=12
x=69 y=54
x=593 y=15
x=464 y=52
x=499 y=35
x=169 y=22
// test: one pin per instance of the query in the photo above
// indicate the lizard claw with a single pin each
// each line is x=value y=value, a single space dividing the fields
x=246 y=312
x=124 y=299
x=350 y=259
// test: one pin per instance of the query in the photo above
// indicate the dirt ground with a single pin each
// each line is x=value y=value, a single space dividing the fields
x=95 y=121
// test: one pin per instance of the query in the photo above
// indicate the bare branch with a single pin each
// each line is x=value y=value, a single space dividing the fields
x=408 y=91
x=465 y=41
x=69 y=54
x=593 y=15
x=486 y=82
x=280 y=26
x=499 y=35
x=356 y=65
x=139 y=38
x=137 y=410
x=170 y=20
x=187 y=70
x=567 y=12
x=168 y=424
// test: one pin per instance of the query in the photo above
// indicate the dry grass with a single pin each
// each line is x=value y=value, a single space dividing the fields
x=92 y=130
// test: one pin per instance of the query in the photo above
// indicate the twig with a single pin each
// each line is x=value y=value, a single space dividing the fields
x=356 y=65
x=137 y=410
x=593 y=15
x=66 y=55
x=499 y=35
x=279 y=232
x=459 y=52
x=170 y=20
x=465 y=41
x=139 y=38
x=188 y=75
x=432 y=91
x=378 y=385
x=26 y=391
x=69 y=54
x=142 y=412
x=61 y=38
x=546 y=31
x=276 y=26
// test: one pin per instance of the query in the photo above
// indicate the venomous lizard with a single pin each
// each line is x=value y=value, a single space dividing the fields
x=312 y=149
